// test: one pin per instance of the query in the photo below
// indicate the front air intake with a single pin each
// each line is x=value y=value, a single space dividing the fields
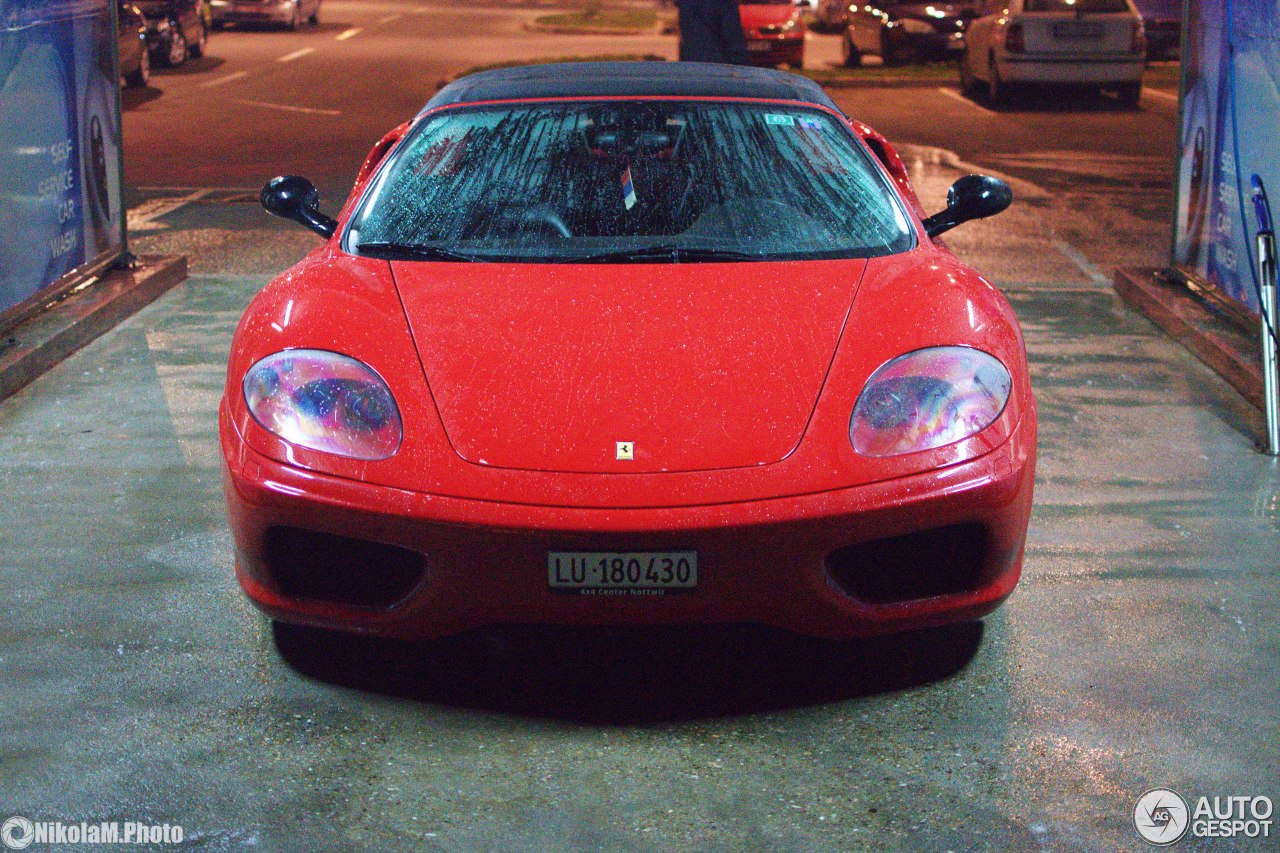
x=339 y=569
x=924 y=564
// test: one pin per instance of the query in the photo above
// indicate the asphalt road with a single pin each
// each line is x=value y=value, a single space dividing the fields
x=267 y=102
x=1140 y=648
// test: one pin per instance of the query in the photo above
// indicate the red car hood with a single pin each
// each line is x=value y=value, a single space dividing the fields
x=700 y=366
x=757 y=15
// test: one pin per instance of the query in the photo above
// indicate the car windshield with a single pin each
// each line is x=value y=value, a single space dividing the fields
x=1077 y=6
x=641 y=181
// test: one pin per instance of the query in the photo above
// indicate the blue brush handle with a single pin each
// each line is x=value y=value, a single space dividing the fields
x=1261 y=208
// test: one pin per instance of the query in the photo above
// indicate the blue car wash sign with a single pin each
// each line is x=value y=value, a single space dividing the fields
x=60 y=208
x=1230 y=111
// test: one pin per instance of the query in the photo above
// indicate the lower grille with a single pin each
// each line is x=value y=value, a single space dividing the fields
x=924 y=564
x=327 y=567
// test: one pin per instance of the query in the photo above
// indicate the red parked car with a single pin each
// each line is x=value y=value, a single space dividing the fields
x=775 y=32
x=629 y=343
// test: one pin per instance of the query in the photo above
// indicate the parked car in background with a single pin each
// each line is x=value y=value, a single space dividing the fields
x=775 y=32
x=830 y=16
x=1098 y=43
x=905 y=32
x=176 y=29
x=1162 y=20
x=287 y=13
x=135 y=59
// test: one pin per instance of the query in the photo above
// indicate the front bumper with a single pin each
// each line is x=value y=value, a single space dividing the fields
x=768 y=51
x=485 y=563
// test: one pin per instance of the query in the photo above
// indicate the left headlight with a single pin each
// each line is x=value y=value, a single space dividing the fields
x=324 y=401
x=928 y=398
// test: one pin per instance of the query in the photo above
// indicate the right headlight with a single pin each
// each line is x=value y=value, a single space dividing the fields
x=928 y=398
x=324 y=401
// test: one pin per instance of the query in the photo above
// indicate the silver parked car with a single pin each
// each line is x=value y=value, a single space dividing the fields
x=1098 y=43
x=286 y=13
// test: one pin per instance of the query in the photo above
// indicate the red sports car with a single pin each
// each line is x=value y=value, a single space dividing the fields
x=629 y=343
x=775 y=32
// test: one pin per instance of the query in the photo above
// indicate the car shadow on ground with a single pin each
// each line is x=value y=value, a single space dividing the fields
x=628 y=676
x=1051 y=99
x=322 y=28
x=131 y=99
x=195 y=65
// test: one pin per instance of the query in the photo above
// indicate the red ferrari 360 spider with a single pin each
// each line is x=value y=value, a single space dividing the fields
x=629 y=343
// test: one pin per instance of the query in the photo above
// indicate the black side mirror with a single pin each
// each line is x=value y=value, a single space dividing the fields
x=971 y=197
x=297 y=199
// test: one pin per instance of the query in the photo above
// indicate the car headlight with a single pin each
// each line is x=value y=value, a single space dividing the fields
x=928 y=398
x=324 y=401
x=915 y=27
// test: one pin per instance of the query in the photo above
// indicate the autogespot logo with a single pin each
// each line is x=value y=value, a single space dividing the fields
x=17 y=833
x=1161 y=816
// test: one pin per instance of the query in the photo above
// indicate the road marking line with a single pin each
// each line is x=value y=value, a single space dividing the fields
x=951 y=93
x=388 y=19
x=288 y=108
x=227 y=79
x=1078 y=258
x=346 y=34
x=919 y=155
x=297 y=54
x=1157 y=93
x=139 y=218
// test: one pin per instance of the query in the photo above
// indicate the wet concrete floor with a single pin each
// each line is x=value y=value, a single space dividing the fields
x=1141 y=649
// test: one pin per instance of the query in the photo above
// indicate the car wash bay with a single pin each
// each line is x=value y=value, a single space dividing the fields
x=1139 y=650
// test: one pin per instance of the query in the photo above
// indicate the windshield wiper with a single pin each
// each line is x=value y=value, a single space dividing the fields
x=404 y=252
x=677 y=254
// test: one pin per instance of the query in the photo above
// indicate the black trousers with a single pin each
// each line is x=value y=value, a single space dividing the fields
x=711 y=31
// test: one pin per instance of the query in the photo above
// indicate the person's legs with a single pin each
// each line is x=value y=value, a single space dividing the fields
x=733 y=41
x=699 y=32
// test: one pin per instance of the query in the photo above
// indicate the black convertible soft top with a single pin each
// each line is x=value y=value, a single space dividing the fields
x=629 y=79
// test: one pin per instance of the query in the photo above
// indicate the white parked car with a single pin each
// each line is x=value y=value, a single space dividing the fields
x=287 y=13
x=1097 y=43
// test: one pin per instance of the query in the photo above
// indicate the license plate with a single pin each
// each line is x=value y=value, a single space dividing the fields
x=622 y=572
x=1079 y=30
x=758 y=46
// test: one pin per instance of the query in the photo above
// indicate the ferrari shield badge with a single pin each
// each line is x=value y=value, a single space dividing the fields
x=626 y=449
